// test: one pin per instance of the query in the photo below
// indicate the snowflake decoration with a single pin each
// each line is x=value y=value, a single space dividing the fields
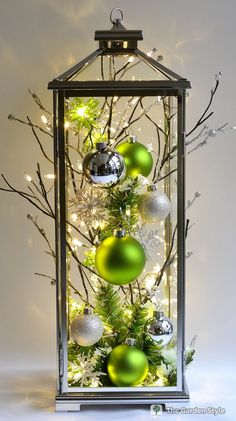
x=83 y=371
x=169 y=356
x=163 y=371
x=89 y=206
x=149 y=240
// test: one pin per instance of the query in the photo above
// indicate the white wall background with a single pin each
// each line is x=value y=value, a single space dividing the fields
x=38 y=40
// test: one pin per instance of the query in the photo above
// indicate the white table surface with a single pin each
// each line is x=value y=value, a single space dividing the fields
x=30 y=396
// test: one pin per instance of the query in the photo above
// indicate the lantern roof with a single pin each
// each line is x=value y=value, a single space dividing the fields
x=118 y=66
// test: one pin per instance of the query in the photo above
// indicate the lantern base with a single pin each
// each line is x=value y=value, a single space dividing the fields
x=72 y=402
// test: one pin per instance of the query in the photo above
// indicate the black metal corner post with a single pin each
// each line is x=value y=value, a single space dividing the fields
x=181 y=242
x=56 y=235
x=60 y=234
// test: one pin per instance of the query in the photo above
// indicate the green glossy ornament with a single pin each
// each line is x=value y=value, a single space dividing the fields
x=120 y=258
x=127 y=365
x=138 y=160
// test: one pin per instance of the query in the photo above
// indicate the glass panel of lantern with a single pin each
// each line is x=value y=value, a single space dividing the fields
x=118 y=241
x=121 y=210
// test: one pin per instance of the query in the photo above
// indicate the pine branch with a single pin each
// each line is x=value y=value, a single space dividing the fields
x=137 y=325
x=109 y=307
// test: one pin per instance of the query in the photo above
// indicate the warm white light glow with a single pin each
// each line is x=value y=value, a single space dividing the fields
x=28 y=177
x=79 y=165
x=44 y=119
x=49 y=176
x=74 y=217
x=134 y=100
x=157 y=268
x=81 y=111
x=67 y=124
x=128 y=312
x=150 y=282
x=131 y=59
x=127 y=210
x=76 y=242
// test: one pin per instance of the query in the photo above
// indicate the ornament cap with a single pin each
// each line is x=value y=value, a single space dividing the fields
x=152 y=187
x=100 y=146
x=130 y=341
x=119 y=233
x=88 y=311
x=132 y=139
x=158 y=314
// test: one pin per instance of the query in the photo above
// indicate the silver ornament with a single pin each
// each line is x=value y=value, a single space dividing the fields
x=154 y=206
x=86 y=329
x=160 y=329
x=104 y=166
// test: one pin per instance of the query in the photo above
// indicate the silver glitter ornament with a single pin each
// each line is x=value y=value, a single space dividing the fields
x=104 y=167
x=86 y=329
x=160 y=329
x=154 y=206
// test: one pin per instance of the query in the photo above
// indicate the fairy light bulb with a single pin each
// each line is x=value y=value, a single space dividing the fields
x=77 y=243
x=74 y=217
x=44 y=119
x=81 y=111
x=49 y=176
x=127 y=211
x=150 y=53
x=28 y=177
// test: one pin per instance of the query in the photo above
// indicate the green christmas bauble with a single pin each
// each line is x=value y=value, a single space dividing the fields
x=120 y=259
x=138 y=160
x=127 y=366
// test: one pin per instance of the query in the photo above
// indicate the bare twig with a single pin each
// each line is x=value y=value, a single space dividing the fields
x=53 y=280
x=204 y=115
x=26 y=196
x=38 y=141
x=42 y=232
x=38 y=102
x=12 y=117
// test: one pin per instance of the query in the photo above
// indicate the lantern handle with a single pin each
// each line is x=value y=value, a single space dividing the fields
x=117 y=20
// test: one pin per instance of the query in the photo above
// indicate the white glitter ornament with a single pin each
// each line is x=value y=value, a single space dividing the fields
x=154 y=206
x=86 y=329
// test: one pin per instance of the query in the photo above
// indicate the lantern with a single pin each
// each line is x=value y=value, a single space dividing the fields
x=119 y=142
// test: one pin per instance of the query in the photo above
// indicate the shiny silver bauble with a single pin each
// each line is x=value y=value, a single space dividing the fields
x=104 y=167
x=86 y=329
x=154 y=206
x=160 y=329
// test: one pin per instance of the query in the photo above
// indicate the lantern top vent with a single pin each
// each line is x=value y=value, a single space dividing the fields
x=118 y=37
x=119 y=67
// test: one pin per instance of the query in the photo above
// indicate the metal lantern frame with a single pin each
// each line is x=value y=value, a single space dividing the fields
x=116 y=41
